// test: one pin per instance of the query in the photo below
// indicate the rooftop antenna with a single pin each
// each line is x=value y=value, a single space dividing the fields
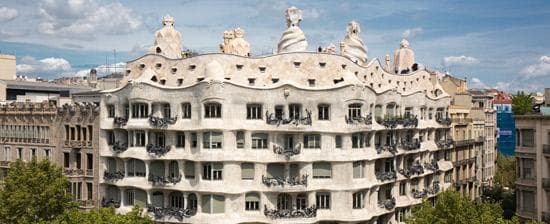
x=114 y=62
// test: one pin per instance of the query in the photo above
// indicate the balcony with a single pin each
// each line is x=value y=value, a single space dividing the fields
x=463 y=142
x=445 y=143
x=443 y=121
x=546 y=150
x=462 y=121
x=5 y=164
x=271 y=119
x=163 y=180
x=282 y=181
x=388 y=204
x=410 y=145
x=393 y=121
x=432 y=166
x=76 y=144
x=119 y=147
x=392 y=147
x=290 y=213
x=384 y=176
x=479 y=139
x=113 y=176
x=287 y=152
x=161 y=122
x=177 y=213
x=109 y=203
x=546 y=183
x=73 y=172
x=158 y=150
x=89 y=172
x=86 y=203
x=415 y=169
x=419 y=193
x=359 y=120
x=546 y=216
x=434 y=189
x=120 y=121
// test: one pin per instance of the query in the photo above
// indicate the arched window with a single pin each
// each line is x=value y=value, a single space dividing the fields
x=157 y=200
x=301 y=201
x=212 y=110
x=284 y=202
x=136 y=168
x=173 y=169
x=192 y=201
x=354 y=110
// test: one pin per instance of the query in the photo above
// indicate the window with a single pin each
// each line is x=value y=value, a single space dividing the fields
x=20 y=153
x=359 y=169
x=408 y=112
x=189 y=170
x=252 y=202
x=186 y=110
x=324 y=112
x=140 y=138
x=311 y=82
x=180 y=139
x=279 y=112
x=357 y=140
x=212 y=110
x=294 y=111
x=240 y=139
x=528 y=201
x=447 y=177
x=140 y=110
x=90 y=190
x=166 y=110
x=338 y=141
x=136 y=168
x=33 y=153
x=213 y=203
x=110 y=110
x=78 y=160
x=212 y=171
x=47 y=153
x=284 y=201
x=528 y=137
x=194 y=140
x=66 y=161
x=358 y=200
x=212 y=140
x=322 y=170
x=253 y=111
x=90 y=161
x=247 y=171
x=312 y=141
x=301 y=201
x=354 y=110
x=402 y=187
x=7 y=156
x=323 y=200
x=110 y=138
x=259 y=141
x=528 y=169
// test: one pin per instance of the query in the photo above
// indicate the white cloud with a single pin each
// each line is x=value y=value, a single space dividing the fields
x=410 y=33
x=7 y=14
x=84 y=19
x=476 y=83
x=460 y=60
x=103 y=70
x=46 y=66
x=541 y=68
x=311 y=14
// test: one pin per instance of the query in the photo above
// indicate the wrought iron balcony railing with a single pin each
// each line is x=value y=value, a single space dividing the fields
x=392 y=147
x=394 y=121
x=445 y=143
x=162 y=180
x=444 y=121
x=158 y=150
x=119 y=147
x=383 y=176
x=359 y=120
x=434 y=189
x=120 y=121
x=113 y=176
x=111 y=202
x=410 y=145
x=282 y=181
x=74 y=172
x=171 y=212
x=287 y=152
x=463 y=142
x=415 y=169
x=290 y=213
x=271 y=119
x=388 y=204
x=162 y=122
x=419 y=193
x=433 y=166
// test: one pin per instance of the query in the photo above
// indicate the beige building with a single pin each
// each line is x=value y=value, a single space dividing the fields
x=533 y=167
x=7 y=67
x=486 y=159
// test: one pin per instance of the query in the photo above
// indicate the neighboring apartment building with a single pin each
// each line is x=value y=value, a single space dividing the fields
x=483 y=103
x=506 y=127
x=298 y=137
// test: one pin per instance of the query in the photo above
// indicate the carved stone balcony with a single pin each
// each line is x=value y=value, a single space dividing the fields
x=359 y=120
x=163 y=180
x=546 y=183
x=463 y=142
x=287 y=152
x=444 y=121
x=177 y=213
x=419 y=193
x=282 y=181
x=445 y=143
x=111 y=202
x=410 y=145
x=415 y=169
x=290 y=213
x=433 y=166
x=90 y=172
x=158 y=150
x=113 y=176
x=388 y=204
x=120 y=121
x=119 y=147
x=384 y=176
x=388 y=147
x=393 y=122
x=4 y=163
x=434 y=189
x=73 y=172
x=162 y=122
x=76 y=144
x=546 y=150
x=271 y=119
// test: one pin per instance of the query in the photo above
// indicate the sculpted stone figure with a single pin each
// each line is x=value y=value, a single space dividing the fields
x=330 y=49
x=352 y=46
x=387 y=62
x=228 y=36
x=404 y=59
x=293 y=39
x=167 y=40
x=238 y=45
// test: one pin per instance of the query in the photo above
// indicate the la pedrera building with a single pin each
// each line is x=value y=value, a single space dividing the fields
x=293 y=137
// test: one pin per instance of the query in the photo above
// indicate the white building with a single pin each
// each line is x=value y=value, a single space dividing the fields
x=295 y=137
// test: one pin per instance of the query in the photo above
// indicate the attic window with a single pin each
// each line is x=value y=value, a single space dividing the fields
x=371 y=85
x=159 y=50
x=377 y=68
x=180 y=82
x=389 y=80
x=262 y=69
x=379 y=85
x=239 y=67
x=403 y=89
x=154 y=79
x=297 y=64
x=371 y=74
x=365 y=77
x=174 y=69
x=356 y=72
x=200 y=79
x=163 y=82
x=158 y=65
x=142 y=66
x=336 y=81
x=343 y=66
x=311 y=82
x=274 y=80
x=192 y=67
x=397 y=82
x=251 y=81
x=322 y=64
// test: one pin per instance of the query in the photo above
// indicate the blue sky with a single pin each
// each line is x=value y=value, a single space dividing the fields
x=503 y=44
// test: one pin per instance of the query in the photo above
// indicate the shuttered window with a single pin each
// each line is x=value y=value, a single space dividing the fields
x=247 y=171
x=276 y=170
x=322 y=170
x=213 y=203
x=358 y=169
x=252 y=202
x=189 y=170
x=212 y=140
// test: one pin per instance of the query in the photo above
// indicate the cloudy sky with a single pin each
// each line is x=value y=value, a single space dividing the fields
x=502 y=44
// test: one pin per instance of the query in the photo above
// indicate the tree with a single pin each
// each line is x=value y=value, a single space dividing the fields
x=103 y=216
x=522 y=103
x=34 y=192
x=505 y=175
